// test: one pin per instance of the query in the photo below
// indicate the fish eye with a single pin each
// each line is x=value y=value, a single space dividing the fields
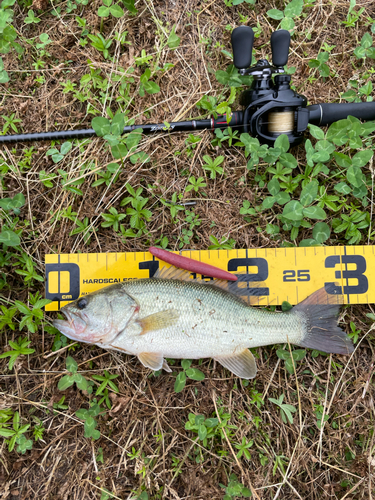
x=82 y=303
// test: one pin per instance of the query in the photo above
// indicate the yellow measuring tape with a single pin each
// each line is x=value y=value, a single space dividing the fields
x=272 y=275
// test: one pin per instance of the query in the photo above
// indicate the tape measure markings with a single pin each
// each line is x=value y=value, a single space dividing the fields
x=275 y=275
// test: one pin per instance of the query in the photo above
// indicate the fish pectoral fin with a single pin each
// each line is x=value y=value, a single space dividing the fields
x=242 y=364
x=159 y=320
x=152 y=360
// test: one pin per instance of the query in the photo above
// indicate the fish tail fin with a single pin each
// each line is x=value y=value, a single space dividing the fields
x=319 y=312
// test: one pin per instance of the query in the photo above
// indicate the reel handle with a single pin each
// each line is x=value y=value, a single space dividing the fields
x=325 y=114
x=242 y=45
x=280 y=41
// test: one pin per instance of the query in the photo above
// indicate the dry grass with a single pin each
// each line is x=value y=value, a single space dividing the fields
x=336 y=461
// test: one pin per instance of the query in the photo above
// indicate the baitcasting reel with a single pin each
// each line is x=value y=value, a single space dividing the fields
x=270 y=106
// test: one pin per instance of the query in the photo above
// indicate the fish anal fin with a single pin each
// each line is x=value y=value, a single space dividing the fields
x=152 y=360
x=159 y=320
x=241 y=364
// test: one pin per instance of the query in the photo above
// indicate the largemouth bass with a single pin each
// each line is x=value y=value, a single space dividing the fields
x=175 y=317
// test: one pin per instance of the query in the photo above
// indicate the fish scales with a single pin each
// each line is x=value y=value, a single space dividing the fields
x=180 y=318
x=212 y=322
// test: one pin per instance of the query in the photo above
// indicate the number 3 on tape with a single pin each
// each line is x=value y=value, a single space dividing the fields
x=357 y=274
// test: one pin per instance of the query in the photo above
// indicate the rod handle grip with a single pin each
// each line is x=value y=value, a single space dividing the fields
x=327 y=113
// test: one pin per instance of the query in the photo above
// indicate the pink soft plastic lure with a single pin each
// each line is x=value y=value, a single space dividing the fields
x=191 y=265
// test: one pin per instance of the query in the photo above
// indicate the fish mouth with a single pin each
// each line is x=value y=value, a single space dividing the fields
x=72 y=328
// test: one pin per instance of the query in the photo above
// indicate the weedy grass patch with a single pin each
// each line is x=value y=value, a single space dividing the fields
x=79 y=422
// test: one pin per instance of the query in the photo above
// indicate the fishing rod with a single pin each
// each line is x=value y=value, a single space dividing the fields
x=270 y=106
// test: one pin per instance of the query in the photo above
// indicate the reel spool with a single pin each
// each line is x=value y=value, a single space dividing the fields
x=280 y=122
x=271 y=107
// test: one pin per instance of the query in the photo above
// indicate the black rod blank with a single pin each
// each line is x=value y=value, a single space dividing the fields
x=187 y=126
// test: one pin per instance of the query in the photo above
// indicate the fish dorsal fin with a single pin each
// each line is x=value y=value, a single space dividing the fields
x=172 y=273
x=159 y=320
x=223 y=284
x=321 y=297
x=242 y=364
x=239 y=289
x=152 y=360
